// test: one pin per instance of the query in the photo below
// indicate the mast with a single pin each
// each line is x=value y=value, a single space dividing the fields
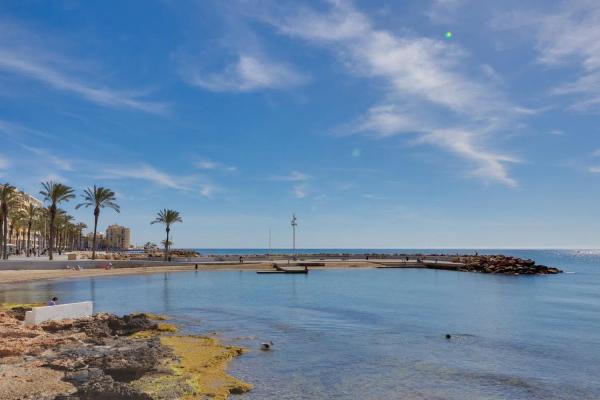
x=294 y=225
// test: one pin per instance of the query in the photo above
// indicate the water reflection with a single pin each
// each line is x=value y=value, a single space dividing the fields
x=374 y=334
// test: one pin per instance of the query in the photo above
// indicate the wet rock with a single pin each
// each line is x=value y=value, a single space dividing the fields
x=103 y=387
x=506 y=265
x=18 y=312
x=104 y=325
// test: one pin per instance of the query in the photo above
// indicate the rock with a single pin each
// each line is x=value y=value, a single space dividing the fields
x=506 y=265
x=103 y=387
x=18 y=312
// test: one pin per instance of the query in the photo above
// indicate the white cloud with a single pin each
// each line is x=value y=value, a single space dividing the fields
x=387 y=120
x=300 y=187
x=61 y=163
x=371 y=196
x=567 y=37
x=594 y=170
x=207 y=190
x=25 y=55
x=150 y=174
x=488 y=165
x=556 y=132
x=160 y=178
x=430 y=85
x=300 y=191
x=250 y=72
x=210 y=165
x=293 y=176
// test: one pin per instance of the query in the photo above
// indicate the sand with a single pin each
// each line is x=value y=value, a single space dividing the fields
x=14 y=276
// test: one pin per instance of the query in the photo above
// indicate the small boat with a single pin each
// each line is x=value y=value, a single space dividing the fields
x=295 y=271
x=285 y=270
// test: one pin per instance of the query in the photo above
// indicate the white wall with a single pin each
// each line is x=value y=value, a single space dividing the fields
x=58 y=312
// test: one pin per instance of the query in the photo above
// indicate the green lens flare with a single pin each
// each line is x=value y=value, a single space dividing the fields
x=448 y=35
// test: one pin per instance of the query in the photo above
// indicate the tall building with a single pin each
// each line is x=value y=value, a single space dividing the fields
x=88 y=241
x=118 y=237
x=17 y=228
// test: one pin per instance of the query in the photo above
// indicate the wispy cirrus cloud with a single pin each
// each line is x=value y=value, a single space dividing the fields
x=25 y=55
x=428 y=88
x=147 y=173
x=489 y=164
x=300 y=183
x=293 y=176
x=249 y=72
x=300 y=191
x=59 y=162
x=159 y=178
x=566 y=36
x=210 y=165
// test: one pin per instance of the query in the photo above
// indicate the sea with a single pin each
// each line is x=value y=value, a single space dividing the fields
x=380 y=334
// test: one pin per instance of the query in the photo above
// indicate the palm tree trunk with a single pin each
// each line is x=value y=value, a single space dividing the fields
x=167 y=245
x=1 y=234
x=29 y=237
x=5 y=234
x=96 y=214
x=10 y=237
x=51 y=233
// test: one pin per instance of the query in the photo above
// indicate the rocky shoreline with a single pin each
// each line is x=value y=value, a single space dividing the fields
x=499 y=264
x=106 y=357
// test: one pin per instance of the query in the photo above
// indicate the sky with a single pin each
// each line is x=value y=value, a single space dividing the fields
x=365 y=118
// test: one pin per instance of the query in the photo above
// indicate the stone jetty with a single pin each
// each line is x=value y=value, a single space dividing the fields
x=499 y=264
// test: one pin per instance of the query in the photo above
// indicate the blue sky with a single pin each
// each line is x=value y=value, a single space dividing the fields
x=361 y=117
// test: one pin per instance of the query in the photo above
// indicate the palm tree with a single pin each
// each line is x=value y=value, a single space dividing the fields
x=98 y=197
x=9 y=197
x=63 y=226
x=41 y=224
x=55 y=193
x=167 y=217
x=80 y=227
x=17 y=225
x=31 y=213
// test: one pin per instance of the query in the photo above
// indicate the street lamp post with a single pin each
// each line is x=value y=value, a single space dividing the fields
x=294 y=225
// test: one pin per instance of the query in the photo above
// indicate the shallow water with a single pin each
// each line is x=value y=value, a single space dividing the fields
x=379 y=334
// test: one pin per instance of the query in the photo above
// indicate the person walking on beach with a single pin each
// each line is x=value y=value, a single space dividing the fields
x=53 y=301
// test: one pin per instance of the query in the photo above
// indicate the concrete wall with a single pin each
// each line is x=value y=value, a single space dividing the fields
x=58 y=312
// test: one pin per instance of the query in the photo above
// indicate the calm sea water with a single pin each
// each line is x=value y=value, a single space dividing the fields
x=379 y=334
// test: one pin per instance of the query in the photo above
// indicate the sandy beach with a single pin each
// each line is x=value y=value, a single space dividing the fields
x=15 y=276
x=483 y=264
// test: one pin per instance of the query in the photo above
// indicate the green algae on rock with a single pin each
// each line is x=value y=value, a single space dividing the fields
x=198 y=371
